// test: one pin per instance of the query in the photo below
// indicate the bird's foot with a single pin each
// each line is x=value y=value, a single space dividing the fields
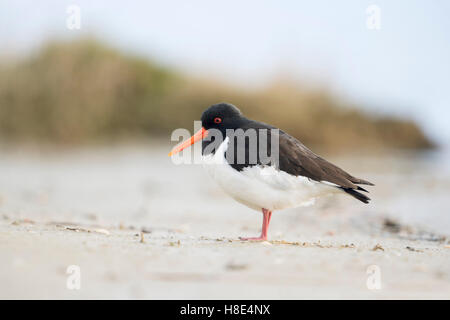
x=260 y=238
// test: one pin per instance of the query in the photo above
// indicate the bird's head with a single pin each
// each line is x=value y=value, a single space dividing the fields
x=219 y=116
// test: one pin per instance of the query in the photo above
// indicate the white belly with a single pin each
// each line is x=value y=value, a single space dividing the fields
x=263 y=187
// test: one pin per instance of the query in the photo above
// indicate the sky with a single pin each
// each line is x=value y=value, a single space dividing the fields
x=403 y=68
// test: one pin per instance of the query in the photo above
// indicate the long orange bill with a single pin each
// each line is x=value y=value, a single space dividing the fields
x=199 y=135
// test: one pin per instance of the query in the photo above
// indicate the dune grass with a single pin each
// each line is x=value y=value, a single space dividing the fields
x=71 y=93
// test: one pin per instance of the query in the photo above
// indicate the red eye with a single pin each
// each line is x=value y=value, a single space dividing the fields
x=217 y=120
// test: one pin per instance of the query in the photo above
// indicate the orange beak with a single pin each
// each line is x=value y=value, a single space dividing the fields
x=199 y=135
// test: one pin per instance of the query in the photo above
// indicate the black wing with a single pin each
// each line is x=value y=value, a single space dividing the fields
x=297 y=159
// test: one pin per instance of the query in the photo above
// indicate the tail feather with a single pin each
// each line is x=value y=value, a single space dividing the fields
x=362 y=189
x=361 y=181
x=361 y=197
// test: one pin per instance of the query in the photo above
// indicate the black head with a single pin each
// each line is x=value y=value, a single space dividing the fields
x=221 y=116
x=215 y=122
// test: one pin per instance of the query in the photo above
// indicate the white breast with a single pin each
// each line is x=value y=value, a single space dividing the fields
x=262 y=186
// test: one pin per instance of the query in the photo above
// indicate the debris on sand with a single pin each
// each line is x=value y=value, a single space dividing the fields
x=285 y=242
x=81 y=229
x=142 y=240
x=413 y=249
x=378 y=247
x=74 y=229
x=391 y=226
x=351 y=245
x=319 y=245
x=316 y=244
x=408 y=232
x=22 y=221
x=102 y=231
x=146 y=230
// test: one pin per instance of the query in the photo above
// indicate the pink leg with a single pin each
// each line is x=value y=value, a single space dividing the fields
x=267 y=215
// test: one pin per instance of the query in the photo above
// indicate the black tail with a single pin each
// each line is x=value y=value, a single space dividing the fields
x=356 y=194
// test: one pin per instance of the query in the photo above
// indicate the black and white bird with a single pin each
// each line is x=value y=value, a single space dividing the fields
x=297 y=179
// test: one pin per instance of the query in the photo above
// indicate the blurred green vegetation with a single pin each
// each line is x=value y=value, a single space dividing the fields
x=81 y=91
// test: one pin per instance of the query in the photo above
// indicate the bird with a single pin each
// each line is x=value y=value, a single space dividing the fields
x=294 y=177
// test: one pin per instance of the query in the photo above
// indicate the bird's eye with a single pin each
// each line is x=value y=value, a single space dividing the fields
x=217 y=120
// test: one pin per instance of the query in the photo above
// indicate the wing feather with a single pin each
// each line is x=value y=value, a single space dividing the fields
x=297 y=159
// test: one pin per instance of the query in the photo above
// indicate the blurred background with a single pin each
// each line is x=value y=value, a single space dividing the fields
x=100 y=76
x=84 y=75
x=73 y=73
x=90 y=92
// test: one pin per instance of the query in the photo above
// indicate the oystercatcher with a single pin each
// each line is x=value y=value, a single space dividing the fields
x=295 y=178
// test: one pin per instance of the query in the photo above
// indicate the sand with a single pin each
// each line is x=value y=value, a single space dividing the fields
x=136 y=226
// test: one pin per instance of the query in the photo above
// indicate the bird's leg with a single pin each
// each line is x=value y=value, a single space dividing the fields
x=267 y=215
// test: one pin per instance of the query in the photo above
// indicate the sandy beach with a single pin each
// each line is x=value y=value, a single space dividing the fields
x=138 y=226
